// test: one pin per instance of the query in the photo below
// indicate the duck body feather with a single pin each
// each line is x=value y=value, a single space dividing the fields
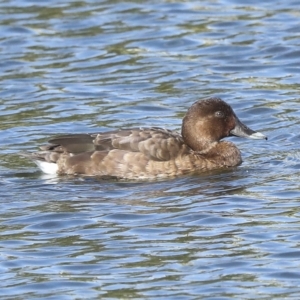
x=133 y=153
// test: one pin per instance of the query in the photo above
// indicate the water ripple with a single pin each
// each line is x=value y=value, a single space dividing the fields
x=88 y=66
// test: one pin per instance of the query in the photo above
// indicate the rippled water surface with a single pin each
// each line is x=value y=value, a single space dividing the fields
x=84 y=66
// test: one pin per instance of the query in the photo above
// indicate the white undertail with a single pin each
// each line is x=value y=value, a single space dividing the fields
x=47 y=167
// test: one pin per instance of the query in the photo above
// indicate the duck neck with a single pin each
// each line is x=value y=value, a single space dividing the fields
x=197 y=142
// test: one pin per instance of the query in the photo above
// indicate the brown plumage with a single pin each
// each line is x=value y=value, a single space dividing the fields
x=142 y=153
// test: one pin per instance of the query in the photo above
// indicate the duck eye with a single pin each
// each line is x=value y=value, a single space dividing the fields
x=219 y=114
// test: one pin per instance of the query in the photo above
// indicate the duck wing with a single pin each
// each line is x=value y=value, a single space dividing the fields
x=155 y=143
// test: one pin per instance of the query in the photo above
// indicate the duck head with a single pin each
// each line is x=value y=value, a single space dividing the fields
x=210 y=120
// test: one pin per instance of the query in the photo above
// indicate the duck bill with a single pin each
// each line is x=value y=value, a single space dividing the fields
x=241 y=130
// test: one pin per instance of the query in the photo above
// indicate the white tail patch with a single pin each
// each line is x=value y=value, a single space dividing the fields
x=47 y=167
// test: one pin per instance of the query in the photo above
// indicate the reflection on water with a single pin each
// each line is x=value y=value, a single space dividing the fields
x=97 y=65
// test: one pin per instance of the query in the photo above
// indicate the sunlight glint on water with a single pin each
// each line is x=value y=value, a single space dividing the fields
x=89 y=66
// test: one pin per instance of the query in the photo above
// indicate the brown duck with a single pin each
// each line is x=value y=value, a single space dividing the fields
x=149 y=153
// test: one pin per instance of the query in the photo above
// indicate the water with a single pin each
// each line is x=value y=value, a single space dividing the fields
x=98 y=65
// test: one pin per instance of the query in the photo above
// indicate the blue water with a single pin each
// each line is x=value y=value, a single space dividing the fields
x=74 y=67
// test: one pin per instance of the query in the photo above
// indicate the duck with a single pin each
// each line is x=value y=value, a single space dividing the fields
x=151 y=153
